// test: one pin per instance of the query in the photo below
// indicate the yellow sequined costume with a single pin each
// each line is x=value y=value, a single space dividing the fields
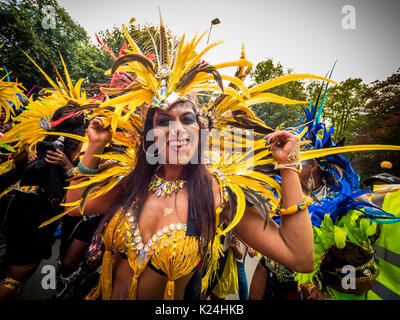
x=170 y=250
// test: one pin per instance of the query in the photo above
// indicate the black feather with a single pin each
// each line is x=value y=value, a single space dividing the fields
x=133 y=58
x=88 y=190
x=232 y=203
x=198 y=68
x=267 y=169
x=260 y=202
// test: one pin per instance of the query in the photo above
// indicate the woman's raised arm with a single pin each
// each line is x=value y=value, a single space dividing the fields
x=291 y=243
x=98 y=139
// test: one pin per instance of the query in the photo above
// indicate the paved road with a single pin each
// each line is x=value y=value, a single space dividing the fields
x=34 y=289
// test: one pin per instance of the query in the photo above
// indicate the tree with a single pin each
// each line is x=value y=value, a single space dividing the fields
x=343 y=107
x=21 y=20
x=380 y=125
x=274 y=114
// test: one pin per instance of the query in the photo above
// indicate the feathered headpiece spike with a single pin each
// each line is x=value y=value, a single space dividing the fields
x=165 y=59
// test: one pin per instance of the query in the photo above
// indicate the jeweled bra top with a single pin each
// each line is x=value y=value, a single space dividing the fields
x=170 y=250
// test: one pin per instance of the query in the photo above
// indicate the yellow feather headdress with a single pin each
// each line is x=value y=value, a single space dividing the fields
x=8 y=94
x=31 y=124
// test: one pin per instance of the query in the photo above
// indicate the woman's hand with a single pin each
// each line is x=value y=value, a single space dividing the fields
x=58 y=158
x=97 y=134
x=238 y=249
x=310 y=292
x=31 y=156
x=285 y=146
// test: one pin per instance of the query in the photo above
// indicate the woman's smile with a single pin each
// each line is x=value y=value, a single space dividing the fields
x=180 y=145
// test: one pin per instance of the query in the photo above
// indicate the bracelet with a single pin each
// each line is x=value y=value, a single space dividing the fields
x=294 y=155
x=12 y=283
x=289 y=166
x=295 y=208
x=85 y=170
x=72 y=173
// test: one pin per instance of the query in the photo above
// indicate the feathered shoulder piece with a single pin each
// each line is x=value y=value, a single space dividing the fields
x=35 y=123
x=11 y=94
x=319 y=137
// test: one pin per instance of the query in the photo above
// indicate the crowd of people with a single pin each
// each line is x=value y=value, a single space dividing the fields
x=155 y=195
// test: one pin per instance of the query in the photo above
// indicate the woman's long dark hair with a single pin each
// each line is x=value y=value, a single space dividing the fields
x=199 y=185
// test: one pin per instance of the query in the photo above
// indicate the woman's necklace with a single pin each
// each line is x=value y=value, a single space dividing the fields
x=162 y=187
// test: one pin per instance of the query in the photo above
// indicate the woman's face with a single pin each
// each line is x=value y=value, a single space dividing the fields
x=310 y=167
x=306 y=171
x=176 y=133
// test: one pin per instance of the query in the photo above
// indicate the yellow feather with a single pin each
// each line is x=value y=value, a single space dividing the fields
x=312 y=154
x=199 y=55
x=69 y=81
x=52 y=83
x=132 y=43
x=241 y=206
x=68 y=135
x=270 y=97
x=77 y=88
x=284 y=79
x=238 y=63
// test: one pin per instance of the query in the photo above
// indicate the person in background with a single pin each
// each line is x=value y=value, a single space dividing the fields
x=34 y=199
x=386 y=195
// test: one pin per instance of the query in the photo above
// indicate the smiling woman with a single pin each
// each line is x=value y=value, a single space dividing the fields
x=167 y=210
x=176 y=133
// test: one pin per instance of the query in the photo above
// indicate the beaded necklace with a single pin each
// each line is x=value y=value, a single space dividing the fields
x=162 y=187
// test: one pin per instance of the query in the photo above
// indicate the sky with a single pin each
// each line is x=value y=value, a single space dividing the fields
x=307 y=36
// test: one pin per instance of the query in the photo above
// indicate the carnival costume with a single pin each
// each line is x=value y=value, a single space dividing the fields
x=31 y=192
x=244 y=178
x=342 y=217
x=335 y=199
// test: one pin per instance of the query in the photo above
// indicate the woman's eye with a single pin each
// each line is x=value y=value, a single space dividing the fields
x=162 y=122
x=188 y=120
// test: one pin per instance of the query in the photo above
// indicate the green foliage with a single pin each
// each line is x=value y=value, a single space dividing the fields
x=274 y=114
x=380 y=125
x=343 y=107
x=351 y=227
x=21 y=20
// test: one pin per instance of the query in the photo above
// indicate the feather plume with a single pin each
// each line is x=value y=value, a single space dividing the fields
x=133 y=58
x=188 y=77
x=163 y=42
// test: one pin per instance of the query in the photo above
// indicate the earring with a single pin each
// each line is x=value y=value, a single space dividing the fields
x=149 y=154
x=311 y=182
